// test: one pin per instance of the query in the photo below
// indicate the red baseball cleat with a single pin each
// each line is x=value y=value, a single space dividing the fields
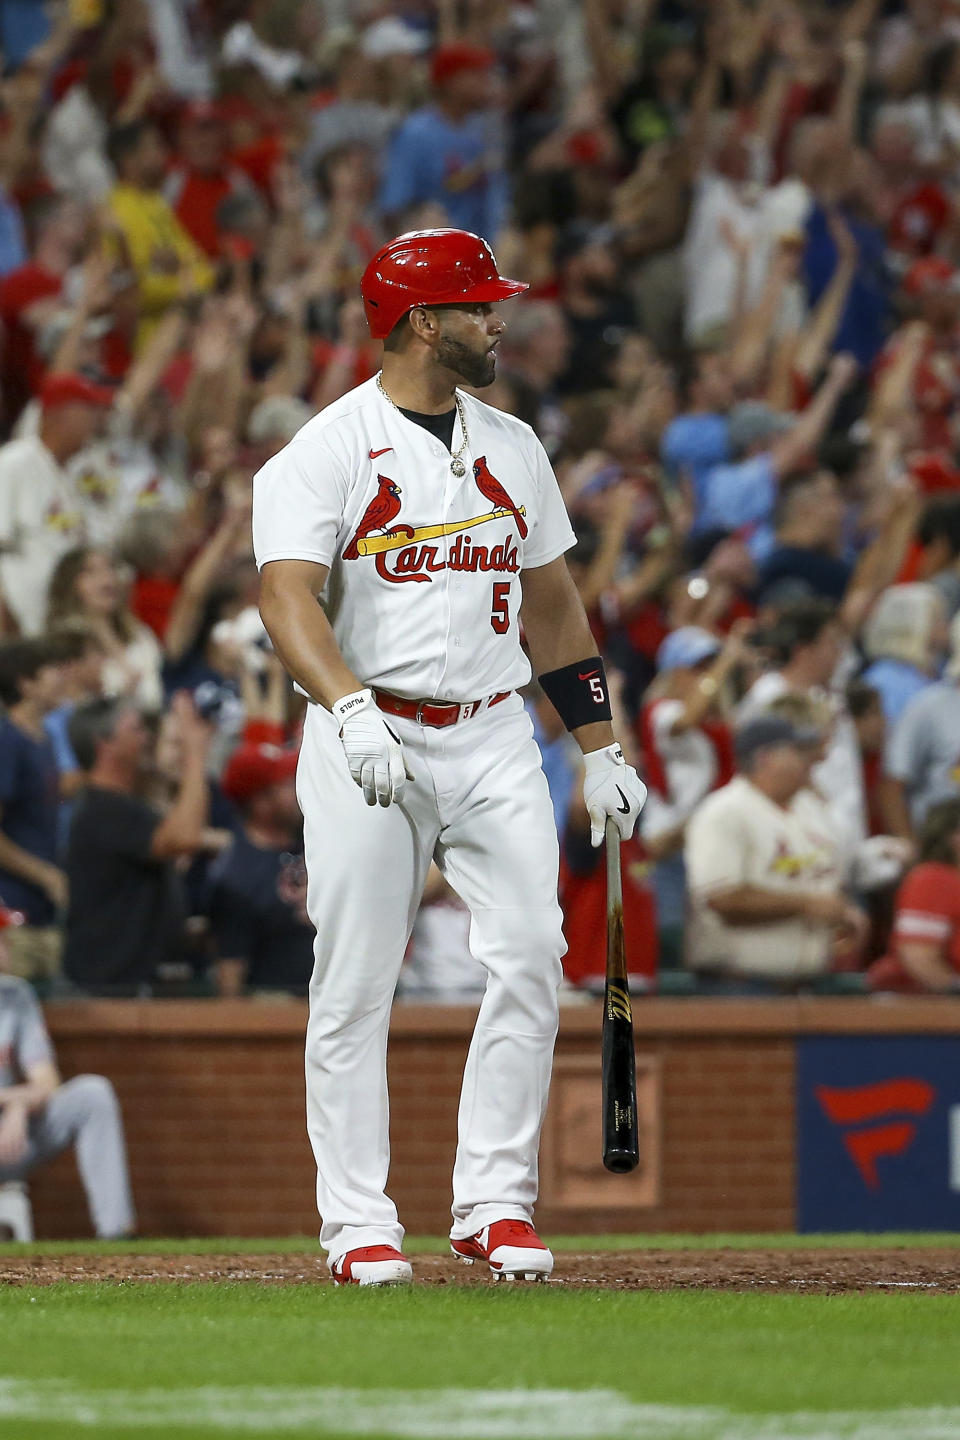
x=372 y=1265
x=512 y=1249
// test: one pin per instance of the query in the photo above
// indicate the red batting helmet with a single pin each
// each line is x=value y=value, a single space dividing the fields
x=430 y=267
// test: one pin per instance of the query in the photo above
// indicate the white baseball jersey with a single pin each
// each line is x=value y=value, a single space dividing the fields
x=740 y=837
x=424 y=586
x=40 y=520
x=690 y=761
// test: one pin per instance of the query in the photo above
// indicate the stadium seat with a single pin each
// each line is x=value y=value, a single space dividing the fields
x=676 y=982
x=852 y=982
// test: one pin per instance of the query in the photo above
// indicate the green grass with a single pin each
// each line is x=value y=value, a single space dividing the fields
x=751 y=1355
x=200 y=1361
x=436 y=1244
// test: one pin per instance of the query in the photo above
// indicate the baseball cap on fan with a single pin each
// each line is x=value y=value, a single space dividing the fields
x=686 y=647
x=767 y=731
x=753 y=422
x=449 y=60
x=254 y=768
x=71 y=388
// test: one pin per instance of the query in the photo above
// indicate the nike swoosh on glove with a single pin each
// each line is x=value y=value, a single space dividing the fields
x=374 y=752
x=611 y=789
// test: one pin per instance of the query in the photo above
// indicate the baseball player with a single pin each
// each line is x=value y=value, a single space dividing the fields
x=40 y=1116
x=422 y=518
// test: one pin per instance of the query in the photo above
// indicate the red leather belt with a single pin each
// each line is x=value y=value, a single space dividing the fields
x=434 y=712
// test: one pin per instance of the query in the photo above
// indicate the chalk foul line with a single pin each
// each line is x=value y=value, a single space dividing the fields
x=549 y=1414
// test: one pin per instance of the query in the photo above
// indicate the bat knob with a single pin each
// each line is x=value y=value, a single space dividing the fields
x=621 y=1162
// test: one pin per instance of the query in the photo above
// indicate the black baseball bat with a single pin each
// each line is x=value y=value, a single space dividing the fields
x=621 y=1142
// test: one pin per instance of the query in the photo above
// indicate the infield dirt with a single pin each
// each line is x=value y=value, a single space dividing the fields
x=828 y=1271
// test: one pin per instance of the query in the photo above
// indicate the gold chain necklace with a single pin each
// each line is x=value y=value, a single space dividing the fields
x=456 y=463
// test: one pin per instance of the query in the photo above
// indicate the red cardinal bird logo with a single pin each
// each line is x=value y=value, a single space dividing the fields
x=384 y=507
x=490 y=486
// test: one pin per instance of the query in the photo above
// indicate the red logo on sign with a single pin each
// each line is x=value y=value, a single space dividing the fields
x=853 y=1107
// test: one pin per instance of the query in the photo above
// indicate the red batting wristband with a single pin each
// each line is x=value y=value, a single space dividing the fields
x=578 y=692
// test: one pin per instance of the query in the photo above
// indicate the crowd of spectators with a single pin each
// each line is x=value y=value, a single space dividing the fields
x=741 y=348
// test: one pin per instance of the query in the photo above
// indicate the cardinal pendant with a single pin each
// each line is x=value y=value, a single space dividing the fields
x=458 y=467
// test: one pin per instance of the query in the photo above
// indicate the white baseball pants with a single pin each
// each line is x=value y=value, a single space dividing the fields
x=479 y=806
x=84 y=1112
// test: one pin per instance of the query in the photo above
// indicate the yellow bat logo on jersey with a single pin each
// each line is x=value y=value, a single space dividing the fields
x=378 y=544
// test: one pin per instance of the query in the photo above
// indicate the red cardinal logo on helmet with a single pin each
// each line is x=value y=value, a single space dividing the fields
x=490 y=486
x=384 y=507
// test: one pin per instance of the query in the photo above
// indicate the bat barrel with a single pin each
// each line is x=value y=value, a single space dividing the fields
x=621 y=1141
x=621 y=1144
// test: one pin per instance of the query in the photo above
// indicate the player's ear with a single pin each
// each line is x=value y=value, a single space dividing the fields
x=424 y=323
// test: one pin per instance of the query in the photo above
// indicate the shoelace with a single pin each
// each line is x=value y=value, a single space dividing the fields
x=516 y=1230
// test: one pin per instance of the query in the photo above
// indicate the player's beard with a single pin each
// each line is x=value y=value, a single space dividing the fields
x=466 y=364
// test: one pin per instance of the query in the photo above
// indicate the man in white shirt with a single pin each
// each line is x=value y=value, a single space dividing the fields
x=763 y=868
x=40 y=514
x=809 y=643
x=733 y=205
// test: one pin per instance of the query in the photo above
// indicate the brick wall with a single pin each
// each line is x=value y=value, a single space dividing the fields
x=727 y=1138
x=212 y=1096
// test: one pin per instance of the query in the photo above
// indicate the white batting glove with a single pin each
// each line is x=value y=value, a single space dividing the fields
x=611 y=788
x=374 y=753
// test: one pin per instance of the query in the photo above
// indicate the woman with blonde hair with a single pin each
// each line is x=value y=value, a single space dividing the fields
x=88 y=585
x=905 y=637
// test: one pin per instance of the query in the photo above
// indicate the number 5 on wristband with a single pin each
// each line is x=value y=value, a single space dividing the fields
x=578 y=692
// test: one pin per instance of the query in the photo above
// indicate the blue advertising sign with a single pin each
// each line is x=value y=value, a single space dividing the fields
x=878 y=1133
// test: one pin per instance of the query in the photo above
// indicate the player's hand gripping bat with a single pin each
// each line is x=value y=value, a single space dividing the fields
x=621 y=1145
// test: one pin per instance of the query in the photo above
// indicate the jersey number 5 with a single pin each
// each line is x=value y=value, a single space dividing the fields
x=499 y=613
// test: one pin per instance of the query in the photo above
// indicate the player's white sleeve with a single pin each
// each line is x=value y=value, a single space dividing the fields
x=551 y=533
x=298 y=501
